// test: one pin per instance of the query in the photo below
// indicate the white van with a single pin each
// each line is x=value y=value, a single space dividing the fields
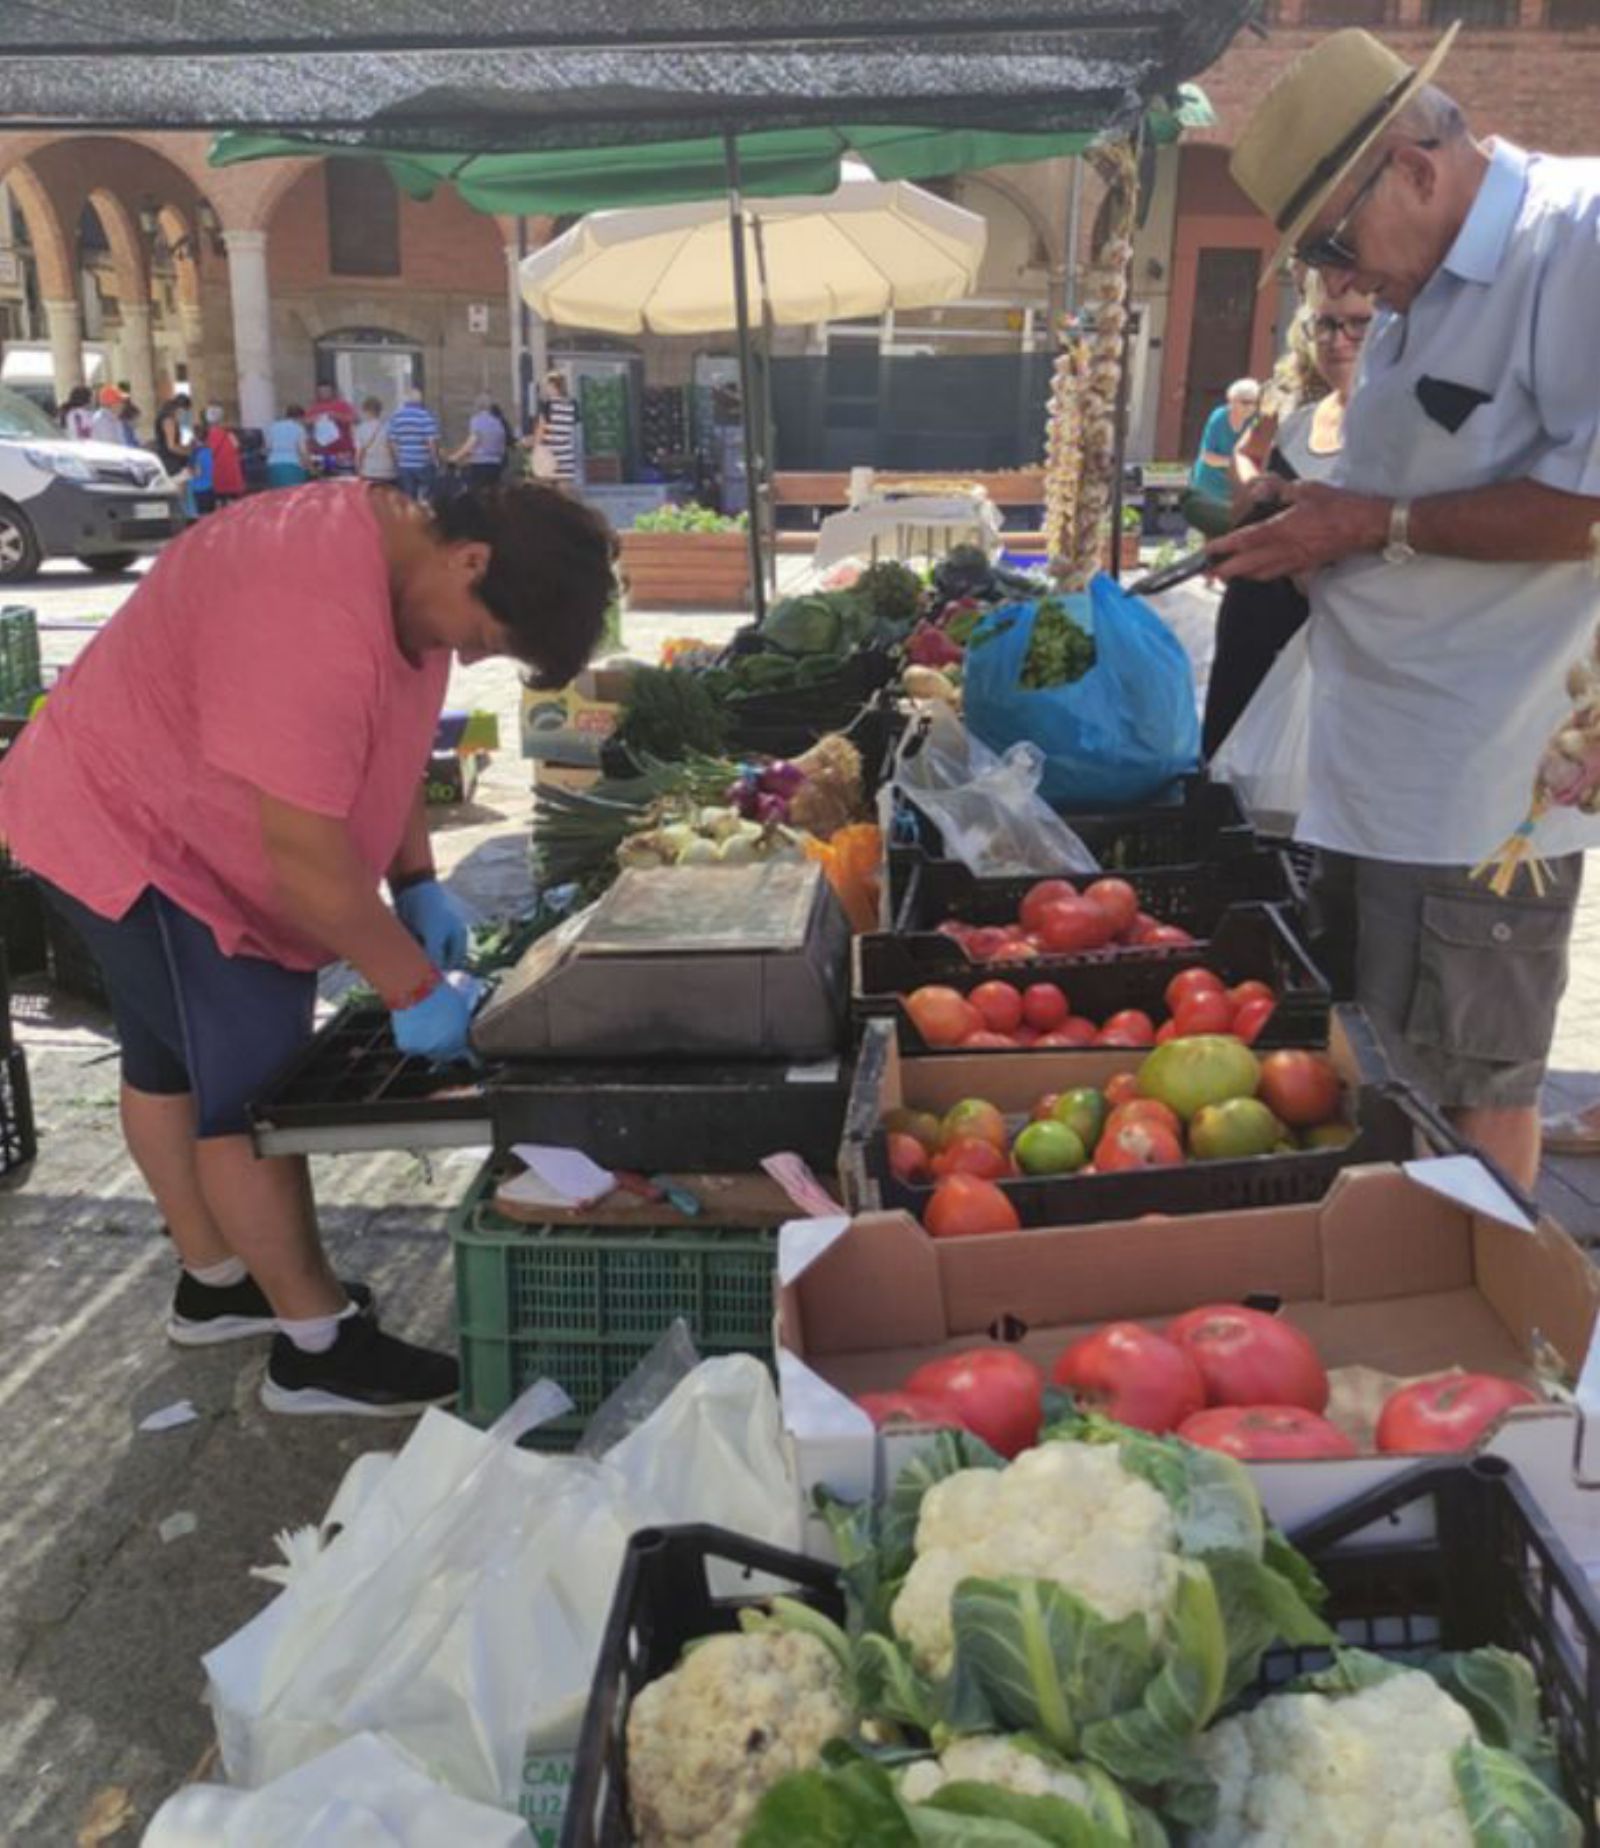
x=100 y=503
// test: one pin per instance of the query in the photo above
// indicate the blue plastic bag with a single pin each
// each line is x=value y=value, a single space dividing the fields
x=1116 y=736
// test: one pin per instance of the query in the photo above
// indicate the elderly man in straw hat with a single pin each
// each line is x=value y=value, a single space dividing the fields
x=1451 y=563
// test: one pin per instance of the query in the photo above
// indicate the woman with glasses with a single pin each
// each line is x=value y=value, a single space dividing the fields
x=1257 y=619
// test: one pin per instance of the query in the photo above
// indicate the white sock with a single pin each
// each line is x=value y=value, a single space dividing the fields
x=317 y=1333
x=218 y=1276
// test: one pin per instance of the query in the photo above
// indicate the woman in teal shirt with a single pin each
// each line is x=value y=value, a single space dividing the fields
x=1212 y=473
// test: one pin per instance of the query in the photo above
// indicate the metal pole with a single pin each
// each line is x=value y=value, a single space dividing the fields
x=1121 y=450
x=524 y=338
x=758 y=589
x=1074 y=215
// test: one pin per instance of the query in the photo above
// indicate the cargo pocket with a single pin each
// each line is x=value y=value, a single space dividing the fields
x=1490 y=973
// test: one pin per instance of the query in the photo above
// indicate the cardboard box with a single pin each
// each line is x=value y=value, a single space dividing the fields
x=1406 y=1270
x=571 y=723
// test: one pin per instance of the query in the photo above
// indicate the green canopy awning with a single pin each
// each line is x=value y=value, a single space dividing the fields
x=773 y=163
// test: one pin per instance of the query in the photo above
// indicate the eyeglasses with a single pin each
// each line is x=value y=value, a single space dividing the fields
x=1332 y=249
x=1352 y=326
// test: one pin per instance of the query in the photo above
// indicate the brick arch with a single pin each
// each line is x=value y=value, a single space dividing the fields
x=53 y=250
x=176 y=228
x=126 y=241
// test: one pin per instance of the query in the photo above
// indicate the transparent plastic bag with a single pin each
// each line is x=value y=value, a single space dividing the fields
x=1266 y=754
x=988 y=808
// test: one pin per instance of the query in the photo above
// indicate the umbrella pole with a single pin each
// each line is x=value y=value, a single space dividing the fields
x=758 y=589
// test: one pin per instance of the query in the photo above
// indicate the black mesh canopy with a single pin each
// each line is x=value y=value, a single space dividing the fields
x=579 y=73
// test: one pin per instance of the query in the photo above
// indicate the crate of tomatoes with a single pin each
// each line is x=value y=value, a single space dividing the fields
x=1254 y=978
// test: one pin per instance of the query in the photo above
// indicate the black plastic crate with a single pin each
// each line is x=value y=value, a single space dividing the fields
x=1194 y=897
x=1393 y=1123
x=22 y=920
x=1481 y=1565
x=1251 y=943
x=664 y=1601
x=19 y=1141
x=73 y=969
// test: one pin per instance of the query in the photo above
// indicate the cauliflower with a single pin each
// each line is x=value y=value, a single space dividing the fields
x=1372 y=1769
x=1068 y=1512
x=991 y=1760
x=707 y=1741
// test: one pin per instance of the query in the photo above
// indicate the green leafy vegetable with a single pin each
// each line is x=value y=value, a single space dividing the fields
x=1507 y=1805
x=669 y=714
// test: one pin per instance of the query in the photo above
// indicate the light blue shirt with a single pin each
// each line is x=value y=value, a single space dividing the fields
x=1439 y=681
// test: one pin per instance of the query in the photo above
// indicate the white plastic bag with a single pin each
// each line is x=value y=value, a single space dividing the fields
x=1265 y=755
x=362 y=1794
x=988 y=808
x=459 y=1611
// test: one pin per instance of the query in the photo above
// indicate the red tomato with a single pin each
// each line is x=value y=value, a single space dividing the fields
x=1025 y=1036
x=1074 y=925
x=971 y=1155
x=1189 y=983
x=1251 y=991
x=1139 y=930
x=1266 y=1433
x=919 y=1407
x=1016 y=950
x=1247 y=1357
x=1120 y=1088
x=999 y=1004
x=1044 y=1107
x=1038 y=897
x=1300 y=1088
x=958 y=928
x=986 y=942
x=1448 y=1413
x=1129 y=1027
x=908 y=1159
x=994 y=1392
x=1168 y=1030
x=1133 y=1375
x=1137 y=1144
x=941 y=1015
x=983 y=1038
x=1058 y=1042
x=1251 y=1017
x=1118 y=900
x=1169 y=934
x=973 y=1116
x=1144 y=1110
x=1076 y=1031
x=1044 y=1006
x=965 y=1205
x=1207 y=1012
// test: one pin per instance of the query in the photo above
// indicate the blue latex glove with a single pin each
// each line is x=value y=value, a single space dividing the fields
x=437 y=920
x=435 y=1027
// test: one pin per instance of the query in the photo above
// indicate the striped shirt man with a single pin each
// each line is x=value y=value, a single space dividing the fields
x=414 y=436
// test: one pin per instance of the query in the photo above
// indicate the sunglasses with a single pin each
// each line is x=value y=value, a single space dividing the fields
x=1332 y=249
x=1352 y=326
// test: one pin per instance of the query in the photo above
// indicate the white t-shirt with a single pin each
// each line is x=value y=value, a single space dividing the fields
x=374 y=451
x=1439 y=681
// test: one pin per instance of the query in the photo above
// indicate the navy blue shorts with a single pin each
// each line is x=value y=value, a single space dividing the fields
x=191 y=1019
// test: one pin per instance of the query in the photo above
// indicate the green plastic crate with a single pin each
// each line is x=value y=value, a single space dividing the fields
x=584 y=1305
x=21 y=676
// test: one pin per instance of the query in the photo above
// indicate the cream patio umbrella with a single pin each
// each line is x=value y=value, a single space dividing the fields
x=709 y=266
x=668 y=269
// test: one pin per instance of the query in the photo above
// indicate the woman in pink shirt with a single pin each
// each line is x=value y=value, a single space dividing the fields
x=213 y=794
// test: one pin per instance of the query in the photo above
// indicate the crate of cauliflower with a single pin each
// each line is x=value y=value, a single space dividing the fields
x=1104 y=1644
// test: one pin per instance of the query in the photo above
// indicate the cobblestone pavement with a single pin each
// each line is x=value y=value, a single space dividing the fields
x=102 y=1623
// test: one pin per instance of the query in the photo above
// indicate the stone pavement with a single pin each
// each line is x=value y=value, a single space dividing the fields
x=102 y=1621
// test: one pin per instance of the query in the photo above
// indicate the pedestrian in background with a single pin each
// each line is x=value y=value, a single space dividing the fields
x=555 y=432
x=414 y=435
x=106 y=424
x=374 y=452
x=227 y=469
x=1211 y=478
x=483 y=454
x=288 y=450
x=77 y=415
x=173 y=442
x=333 y=422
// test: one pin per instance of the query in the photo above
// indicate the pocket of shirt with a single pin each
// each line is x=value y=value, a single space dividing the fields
x=1490 y=974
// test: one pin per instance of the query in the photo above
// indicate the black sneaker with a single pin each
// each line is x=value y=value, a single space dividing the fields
x=204 y=1314
x=365 y=1374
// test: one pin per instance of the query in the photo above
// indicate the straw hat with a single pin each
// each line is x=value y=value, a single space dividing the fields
x=1316 y=122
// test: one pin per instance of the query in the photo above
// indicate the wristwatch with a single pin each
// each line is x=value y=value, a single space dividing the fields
x=1399 y=550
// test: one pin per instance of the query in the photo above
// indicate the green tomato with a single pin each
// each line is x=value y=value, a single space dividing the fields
x=1048 y=1147
x=1084 y=1113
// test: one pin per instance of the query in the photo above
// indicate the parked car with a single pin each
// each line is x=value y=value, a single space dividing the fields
x=101 y=503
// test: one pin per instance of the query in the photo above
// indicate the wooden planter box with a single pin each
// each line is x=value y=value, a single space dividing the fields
x=686 y=571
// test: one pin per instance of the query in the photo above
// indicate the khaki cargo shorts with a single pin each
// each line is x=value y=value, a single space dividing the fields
x=1461 y=986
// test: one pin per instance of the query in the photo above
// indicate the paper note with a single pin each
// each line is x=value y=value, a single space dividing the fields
x=568 y=1175
x=181 y=1412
